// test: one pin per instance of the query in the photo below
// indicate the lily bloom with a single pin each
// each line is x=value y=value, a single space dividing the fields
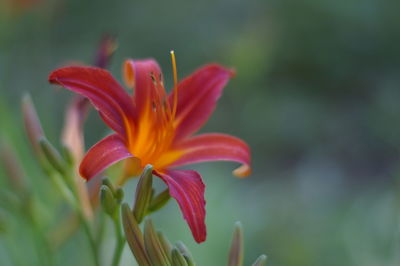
x=153 y=127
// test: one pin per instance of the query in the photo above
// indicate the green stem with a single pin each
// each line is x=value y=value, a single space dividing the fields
x=42 y=245
x=92 y=242
x=120 y=239
x=100 y=229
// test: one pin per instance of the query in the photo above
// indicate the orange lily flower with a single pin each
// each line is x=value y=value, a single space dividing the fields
x=152 y=127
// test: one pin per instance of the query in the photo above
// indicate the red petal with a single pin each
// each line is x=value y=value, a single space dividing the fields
x=197 y=97
x=143 y=75
x=97 y=84
x=187 y=188
x=106 y=152
x=215 y=147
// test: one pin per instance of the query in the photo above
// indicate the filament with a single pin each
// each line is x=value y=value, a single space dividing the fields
x=175 y=74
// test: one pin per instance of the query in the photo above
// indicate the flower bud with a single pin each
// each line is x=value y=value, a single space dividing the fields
x=12 y=167
x=107 y=182
x=159 y=201
x=107 y=200
x=107 y=47
x=236 y=251
x=72 y=132
x=53 y=156
x=153 y=246
x=186 y=253
x=143 y=193
x=67 y=155
x=177 y=258
x=32 y=123
x=134 y=236
x=165 y=244
x=119 y=195
x=261 y=261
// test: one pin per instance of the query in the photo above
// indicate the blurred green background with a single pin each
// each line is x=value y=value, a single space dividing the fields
x=316 y=97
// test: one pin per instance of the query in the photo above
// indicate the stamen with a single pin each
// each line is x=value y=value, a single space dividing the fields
x=175 y=73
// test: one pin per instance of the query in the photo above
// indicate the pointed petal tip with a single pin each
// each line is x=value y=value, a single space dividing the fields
x=53 y=79
x=215 y=66
x=83 y=173
x=242 y=171
x=128 y=73
x=187 y=187
x=201 y=239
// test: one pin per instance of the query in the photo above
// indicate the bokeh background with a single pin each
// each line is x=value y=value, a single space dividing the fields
x=316 y=97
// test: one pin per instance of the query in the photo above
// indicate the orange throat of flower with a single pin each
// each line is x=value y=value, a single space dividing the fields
x=151 y=139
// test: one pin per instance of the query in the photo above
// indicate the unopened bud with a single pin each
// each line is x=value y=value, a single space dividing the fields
x=165 y=244
x=119 y=195
x=107 y=182
x=134 y=236
x=107 y=200
x=143 y=193
x=67 y=155
x=153 y=246
x=185 y=253
x=261 y=261
x=177 y=258
x=106 y=49
x=53 y=156
x=12 y=167
x=236 y=251
x=72 y=132
x=32 y=123
x=159 y=201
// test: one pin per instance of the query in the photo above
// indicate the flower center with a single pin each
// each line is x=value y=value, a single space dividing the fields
x=155 y=131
